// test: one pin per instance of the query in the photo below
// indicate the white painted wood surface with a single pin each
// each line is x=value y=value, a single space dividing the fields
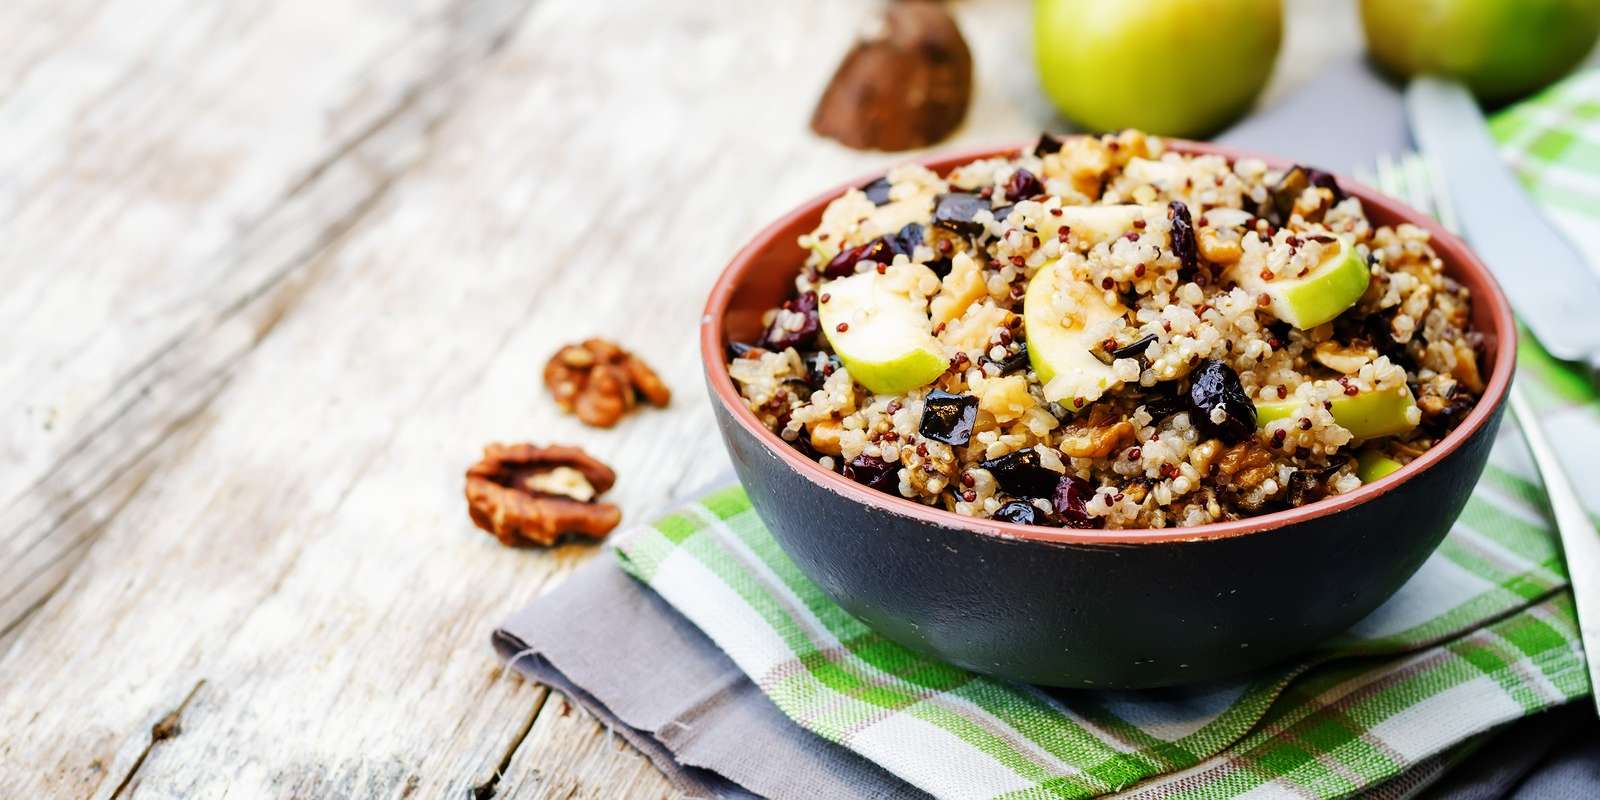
x=275 y=271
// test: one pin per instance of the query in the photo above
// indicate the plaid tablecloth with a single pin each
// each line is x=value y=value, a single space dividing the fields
x=1483 y=634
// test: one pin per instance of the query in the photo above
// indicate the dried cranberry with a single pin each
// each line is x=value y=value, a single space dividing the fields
x=1215 y=385
x=956 y=211
x=1070 y=500
x=844 y=264
x=1048 y=143
x=877 y=191
x=777 y=338
x=873 y=472
x=881 y=250
x=1183 y=243
x=1020 y=512
x=1021 y=474
x=1023 y=185
x=949 y=417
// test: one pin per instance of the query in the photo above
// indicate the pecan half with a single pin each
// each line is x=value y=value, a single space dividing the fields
x=1242 y=473
x=527 y=494
x=600 y=382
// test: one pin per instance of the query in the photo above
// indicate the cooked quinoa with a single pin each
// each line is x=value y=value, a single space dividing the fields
x=1186 y=344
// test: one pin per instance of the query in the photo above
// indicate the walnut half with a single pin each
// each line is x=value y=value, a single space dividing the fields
x=527 y=494
x=600 y=382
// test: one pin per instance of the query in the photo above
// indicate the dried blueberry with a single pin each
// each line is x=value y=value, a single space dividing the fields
x=778 y=336
x=956 y=210
x=1183 y=243
x=1023 y=185
x=1215 y=385
x=949 y=417
x=1048 y=143
x=1022 y=475
x=1020 y=512
x=873 y=472
x=1070 y=500
x=877 y=191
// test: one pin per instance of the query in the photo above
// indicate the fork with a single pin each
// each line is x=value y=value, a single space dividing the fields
x=1410 y=177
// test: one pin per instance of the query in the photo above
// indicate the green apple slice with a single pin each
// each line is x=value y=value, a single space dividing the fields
x=881 y=335
x=1062 y=316
x=1367 y=415
x=1372 y=465
x=1325 y=292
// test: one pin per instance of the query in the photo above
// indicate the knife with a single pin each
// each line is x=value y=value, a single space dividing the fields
x=1550 y=284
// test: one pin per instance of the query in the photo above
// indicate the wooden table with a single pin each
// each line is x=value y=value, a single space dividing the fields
x=275 y=271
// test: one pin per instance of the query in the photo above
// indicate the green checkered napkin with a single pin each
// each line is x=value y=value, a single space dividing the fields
x=1483 y=634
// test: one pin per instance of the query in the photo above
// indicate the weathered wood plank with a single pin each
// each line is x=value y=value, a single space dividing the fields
x=276 y=338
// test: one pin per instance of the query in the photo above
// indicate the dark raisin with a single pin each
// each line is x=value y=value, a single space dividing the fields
x=1012 y=362
x=877 y=191
x=1021 y=474
x=905 y=241
x=1163 y=405
x=1215 y=384
x=1070 y=499
x=1002 y=212
x=1456 y=407
x=941 y=266
x=777 y=338
x=1135 y=350
x=955 y=211
x=873 y=472
x=1023 y=185
x=1020 y=512
x=949 y=417
x=1183 y=243
x=1048 y=143
x=1324 y=180
x=819 y=366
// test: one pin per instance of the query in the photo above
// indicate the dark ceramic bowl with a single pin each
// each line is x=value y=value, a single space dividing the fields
x=1125 y=608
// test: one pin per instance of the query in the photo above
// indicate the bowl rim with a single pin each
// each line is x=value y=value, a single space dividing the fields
x=1450 y=247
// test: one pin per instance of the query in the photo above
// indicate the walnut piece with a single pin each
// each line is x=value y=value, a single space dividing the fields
x=1103 y=432
x=600 y=382
x=527 y=494
x=905 y=88
x=1243 y=471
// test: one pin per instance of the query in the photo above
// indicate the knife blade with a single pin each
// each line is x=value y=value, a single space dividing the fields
x=1549 y=282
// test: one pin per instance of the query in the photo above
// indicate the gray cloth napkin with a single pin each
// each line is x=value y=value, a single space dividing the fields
x=625 y=656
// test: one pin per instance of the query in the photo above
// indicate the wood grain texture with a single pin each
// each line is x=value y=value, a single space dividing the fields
x=279 y=270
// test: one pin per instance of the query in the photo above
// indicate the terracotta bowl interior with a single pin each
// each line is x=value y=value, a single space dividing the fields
x=761 y=277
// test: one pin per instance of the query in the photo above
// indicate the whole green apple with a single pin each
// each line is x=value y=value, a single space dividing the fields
x=1169 y=67
x=1502 y=49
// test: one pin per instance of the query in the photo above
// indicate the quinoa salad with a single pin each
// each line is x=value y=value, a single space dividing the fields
x=1100 y=332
